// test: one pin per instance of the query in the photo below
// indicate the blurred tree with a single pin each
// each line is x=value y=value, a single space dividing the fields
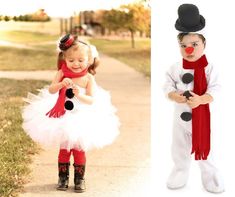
x=88 y=16
x=21 y=18
x=27 y=17
x=40 y=15
x=131 y=17
x=98 y=18
x=15 y=18
x=7 y=18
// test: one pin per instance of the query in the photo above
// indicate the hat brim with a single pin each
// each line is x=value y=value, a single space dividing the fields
x=196 y=28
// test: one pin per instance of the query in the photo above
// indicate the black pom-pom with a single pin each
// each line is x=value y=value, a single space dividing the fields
x=187 y=94
x=186 y=116
x=68 y=105
x=69 y=93
x=187 y=78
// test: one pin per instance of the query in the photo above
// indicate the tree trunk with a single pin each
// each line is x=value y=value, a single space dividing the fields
x=61 y=26
x=66 y=25
x=71 y=25
x=132 y=39
x=102 y=30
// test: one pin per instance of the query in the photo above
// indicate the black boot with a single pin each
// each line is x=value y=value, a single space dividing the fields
x=79 y=181
x=63 y=181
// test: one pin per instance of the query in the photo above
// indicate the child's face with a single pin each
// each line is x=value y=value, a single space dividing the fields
x=76 y=59
x=191 y=47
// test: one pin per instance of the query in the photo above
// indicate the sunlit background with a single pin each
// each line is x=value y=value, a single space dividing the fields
x=76 y=12
x=57 y=8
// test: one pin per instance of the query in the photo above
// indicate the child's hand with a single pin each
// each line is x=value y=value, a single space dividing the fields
x=75 y=90
x=194 y=100
x=66 y=82
x=177 y=97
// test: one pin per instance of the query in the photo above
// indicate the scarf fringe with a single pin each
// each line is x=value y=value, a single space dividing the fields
x=201 y=155
x=58 y=110
x=54 y=114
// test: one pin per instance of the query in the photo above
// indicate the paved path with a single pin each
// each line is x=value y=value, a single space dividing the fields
x=119 y=170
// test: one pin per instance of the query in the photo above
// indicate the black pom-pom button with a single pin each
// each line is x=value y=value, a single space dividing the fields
x=68 y=105
x=187 y=94
x=186 y=116
x=69 y=93
x=187 y=78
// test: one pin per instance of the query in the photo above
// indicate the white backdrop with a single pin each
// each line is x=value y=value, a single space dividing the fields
x=220 y=31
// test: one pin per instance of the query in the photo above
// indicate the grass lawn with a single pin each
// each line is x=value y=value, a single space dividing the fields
x=16 y=147
x=138 y=58
x=25 y=37
x=42 y=58
x=44 y=55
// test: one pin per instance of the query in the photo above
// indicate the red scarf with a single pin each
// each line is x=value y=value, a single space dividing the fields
x=58 y=110
x=201 y=114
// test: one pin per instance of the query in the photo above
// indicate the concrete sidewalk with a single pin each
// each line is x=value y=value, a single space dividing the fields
x=121 y=169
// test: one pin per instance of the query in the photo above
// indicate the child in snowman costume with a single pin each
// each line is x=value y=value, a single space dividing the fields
x=73 y=114
x=192 y=84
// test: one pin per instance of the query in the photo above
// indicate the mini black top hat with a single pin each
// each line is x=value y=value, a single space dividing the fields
x=66 y=42
x=189 y=19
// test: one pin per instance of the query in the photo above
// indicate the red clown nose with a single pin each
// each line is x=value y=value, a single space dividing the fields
x=189 y=50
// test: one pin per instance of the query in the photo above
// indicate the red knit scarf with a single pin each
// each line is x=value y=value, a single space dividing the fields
x=59 y=110
x=200 y=114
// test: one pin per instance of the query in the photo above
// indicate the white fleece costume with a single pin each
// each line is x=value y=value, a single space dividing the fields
x=182 y=132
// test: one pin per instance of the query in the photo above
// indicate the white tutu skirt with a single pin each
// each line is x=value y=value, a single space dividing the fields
x=84 y=128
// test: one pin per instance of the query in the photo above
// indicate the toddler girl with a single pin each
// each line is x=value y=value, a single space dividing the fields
x=73 y=112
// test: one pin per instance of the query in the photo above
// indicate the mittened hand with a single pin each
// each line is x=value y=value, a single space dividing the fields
x=194 y=100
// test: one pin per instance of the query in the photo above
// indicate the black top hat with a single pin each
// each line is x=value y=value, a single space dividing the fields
x=189 y=19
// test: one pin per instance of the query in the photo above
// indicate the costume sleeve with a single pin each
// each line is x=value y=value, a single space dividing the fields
x=213 y=84
x=170 y=83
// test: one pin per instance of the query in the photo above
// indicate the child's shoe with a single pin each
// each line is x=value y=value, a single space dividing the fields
x=63 y=181
x=213 y=182
x=177 y=179
x=79 y=181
